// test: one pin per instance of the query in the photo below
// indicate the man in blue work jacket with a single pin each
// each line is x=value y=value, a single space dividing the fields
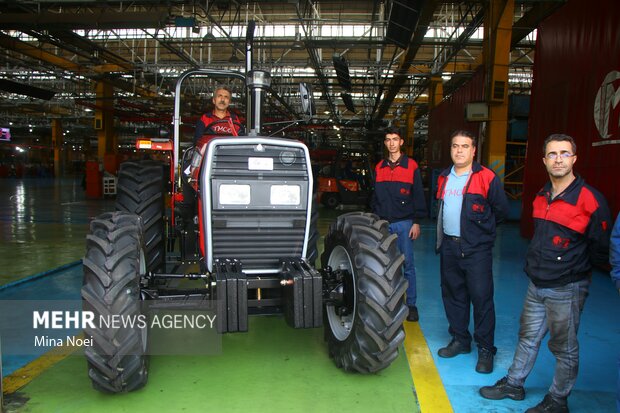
x=471 y=203
x=399 y=199
x=571 y=234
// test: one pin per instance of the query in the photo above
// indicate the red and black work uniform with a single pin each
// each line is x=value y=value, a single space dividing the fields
x=484 y=206
x=210 y=126
x=572 y=232
x=399 y=187
x=466 y=262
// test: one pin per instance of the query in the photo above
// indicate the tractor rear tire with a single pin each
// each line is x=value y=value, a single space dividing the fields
x=366 y=330
x=140 y=190
x=113 y=266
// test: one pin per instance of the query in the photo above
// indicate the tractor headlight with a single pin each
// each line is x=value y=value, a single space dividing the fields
x=285 y=195
x=234 y=194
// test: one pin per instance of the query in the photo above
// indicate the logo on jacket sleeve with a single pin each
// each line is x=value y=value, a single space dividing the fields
x=404 y=191
x=560 y=242
x=477 y=208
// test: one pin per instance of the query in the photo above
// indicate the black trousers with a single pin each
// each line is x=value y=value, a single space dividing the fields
x=465 y=280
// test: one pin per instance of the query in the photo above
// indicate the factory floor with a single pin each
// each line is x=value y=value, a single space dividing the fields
x=273 y=368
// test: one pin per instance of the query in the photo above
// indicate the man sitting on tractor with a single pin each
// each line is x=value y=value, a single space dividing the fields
x=218 y=121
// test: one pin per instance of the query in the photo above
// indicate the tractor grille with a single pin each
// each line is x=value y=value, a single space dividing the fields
x=258 y=240
x=232 y=161
x=260 y=235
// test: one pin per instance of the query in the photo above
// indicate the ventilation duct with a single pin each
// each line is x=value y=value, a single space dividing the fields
x=342 y=72
x=26 y=90
x=348 y=101
x=402 y=21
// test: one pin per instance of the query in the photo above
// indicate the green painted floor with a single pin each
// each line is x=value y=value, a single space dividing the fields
x=276 y=369
x=273 y=368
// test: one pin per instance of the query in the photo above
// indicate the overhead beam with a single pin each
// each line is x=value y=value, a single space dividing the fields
x=101 y=19
x=401 y=74
x=98 y=52
x=455 y=67
x=26 y=90
x=11 y=43
x=532 y=18
x=94 y=72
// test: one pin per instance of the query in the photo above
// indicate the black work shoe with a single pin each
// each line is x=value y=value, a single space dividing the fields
x=549 y=405
x=453 y=349
x=413 y=313
x=485 y=361
x=501 y=390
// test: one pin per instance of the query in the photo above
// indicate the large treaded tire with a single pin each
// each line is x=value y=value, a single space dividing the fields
x=140 y=190
x=113 y=266
x=366 y=339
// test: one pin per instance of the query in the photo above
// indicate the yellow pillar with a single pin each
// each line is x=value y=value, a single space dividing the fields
x=56 y=145
x=435 y=92
x=104 y=121
x=497 y=35
x=411 y=112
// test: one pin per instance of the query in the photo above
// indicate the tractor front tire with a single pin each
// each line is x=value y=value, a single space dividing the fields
x=113 y=266
x=365 y=329
x=140 y=190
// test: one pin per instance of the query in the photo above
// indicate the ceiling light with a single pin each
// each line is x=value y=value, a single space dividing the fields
x=233 y=59
x=298 y=44
x=209 y=35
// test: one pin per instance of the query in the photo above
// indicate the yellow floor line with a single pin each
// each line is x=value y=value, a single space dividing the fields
x=429 y=388
x=21 y=377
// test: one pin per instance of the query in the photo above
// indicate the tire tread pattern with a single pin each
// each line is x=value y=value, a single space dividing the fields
x=140 y=190
x=116 y=361
x=377 y=330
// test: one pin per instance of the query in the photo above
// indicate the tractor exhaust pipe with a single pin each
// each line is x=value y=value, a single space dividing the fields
x=257 y=82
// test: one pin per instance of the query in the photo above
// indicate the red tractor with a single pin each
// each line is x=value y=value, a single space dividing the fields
x=346 y=179
x=246 y=244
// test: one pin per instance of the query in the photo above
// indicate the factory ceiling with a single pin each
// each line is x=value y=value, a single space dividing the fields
x=367 y=62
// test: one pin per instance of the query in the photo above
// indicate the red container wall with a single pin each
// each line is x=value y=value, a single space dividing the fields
x=111 y=163
x=450 y=116
x=94 y=180
x=576 y=91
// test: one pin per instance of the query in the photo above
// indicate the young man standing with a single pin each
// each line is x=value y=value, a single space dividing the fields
x=399 y=199
x=471 y=203
x=571 y=232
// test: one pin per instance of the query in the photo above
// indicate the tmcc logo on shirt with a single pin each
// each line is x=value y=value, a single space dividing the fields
x=221 y=128
x=453 y=192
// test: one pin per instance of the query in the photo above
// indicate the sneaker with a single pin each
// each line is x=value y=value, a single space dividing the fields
x=501 y=390
x=453 y=349
x=549 y=405
x=485 y=361
x=413 y=313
